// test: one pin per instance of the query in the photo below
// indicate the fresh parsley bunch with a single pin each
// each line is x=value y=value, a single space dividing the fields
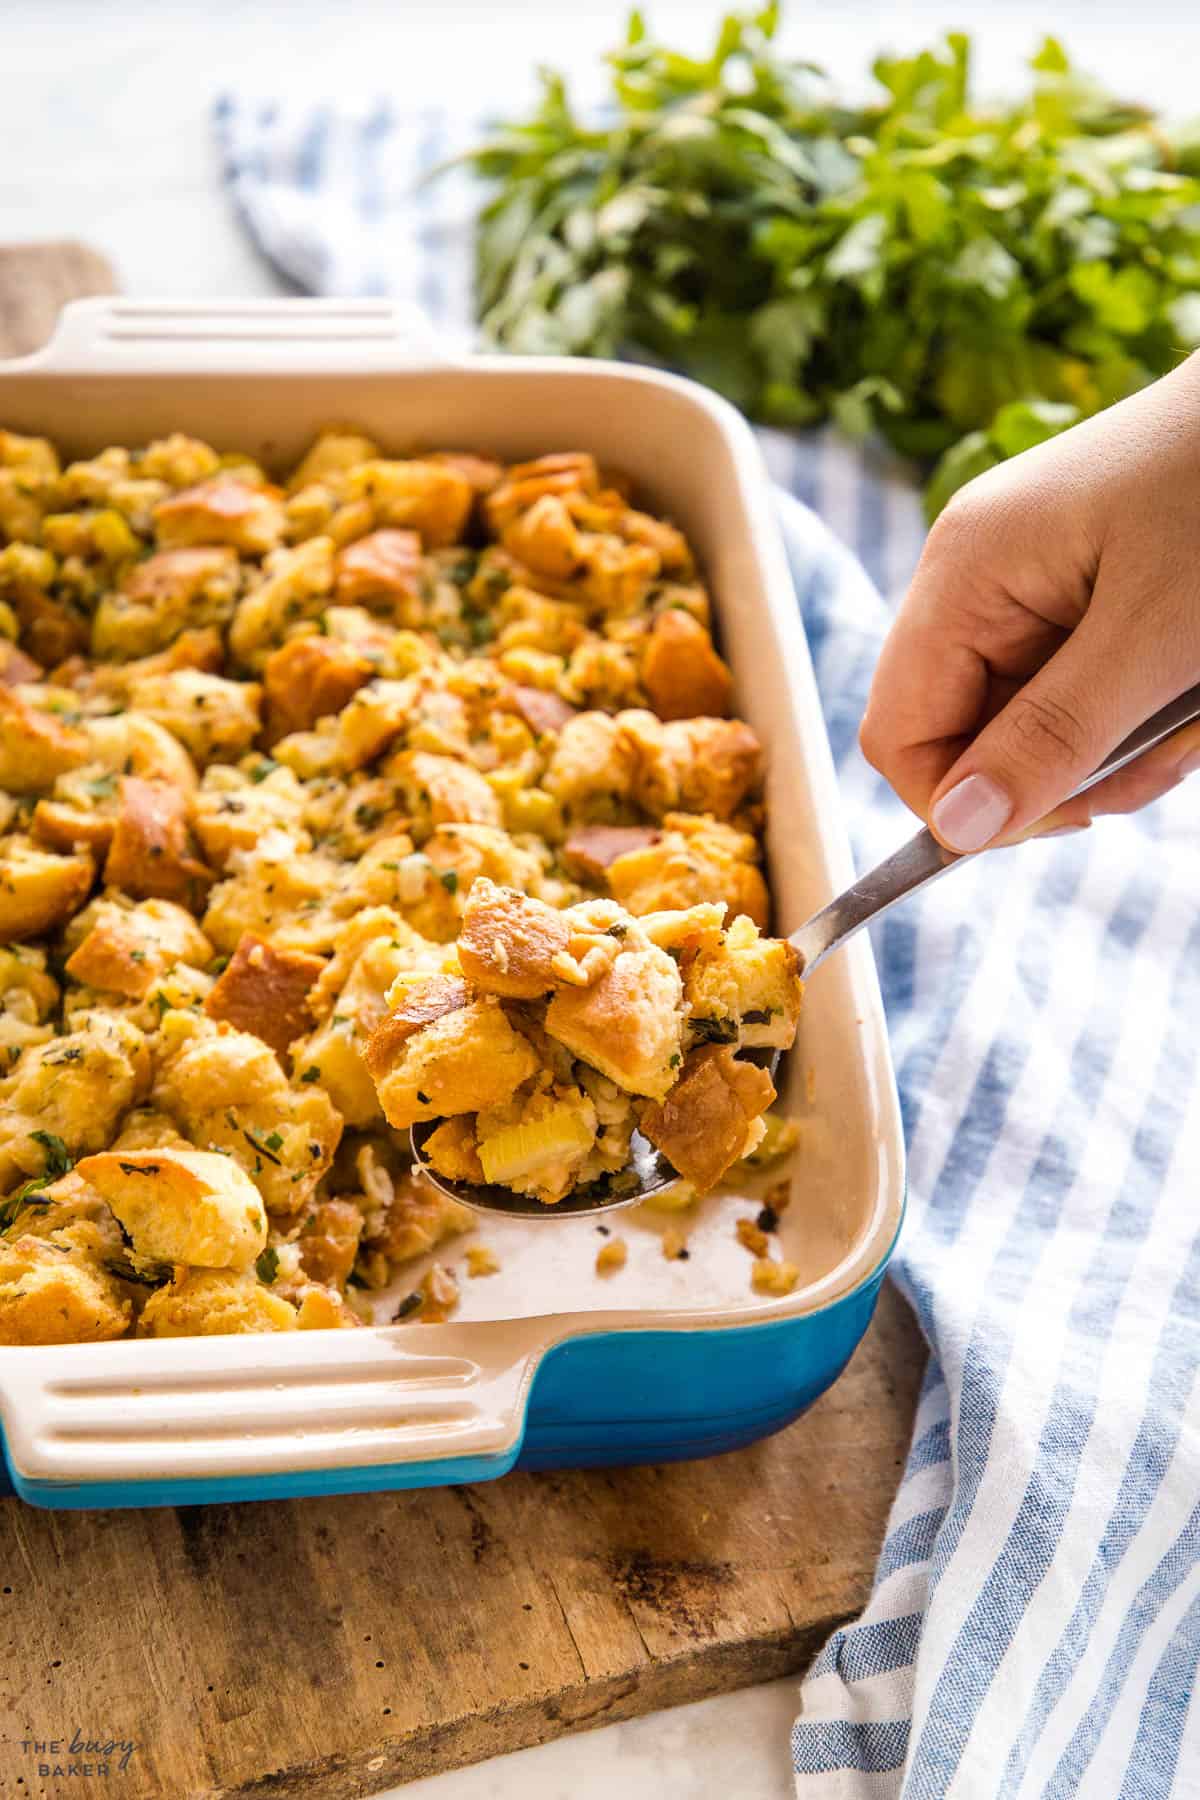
x=966 y=280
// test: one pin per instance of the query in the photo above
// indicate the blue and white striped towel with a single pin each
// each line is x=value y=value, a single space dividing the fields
x=1035 y=1626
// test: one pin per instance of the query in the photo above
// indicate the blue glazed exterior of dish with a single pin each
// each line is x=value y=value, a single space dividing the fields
x=608 y=1397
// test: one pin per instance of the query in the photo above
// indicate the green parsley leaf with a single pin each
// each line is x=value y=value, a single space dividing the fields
x=962 y=278
x=58 y=1158
x=268 y=1265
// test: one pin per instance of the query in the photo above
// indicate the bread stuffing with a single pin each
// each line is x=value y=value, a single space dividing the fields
x=390 y=789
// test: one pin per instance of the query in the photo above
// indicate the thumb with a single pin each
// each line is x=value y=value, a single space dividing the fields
x=1049 y=737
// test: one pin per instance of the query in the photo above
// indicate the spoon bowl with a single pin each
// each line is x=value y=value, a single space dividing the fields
x=647 y=1172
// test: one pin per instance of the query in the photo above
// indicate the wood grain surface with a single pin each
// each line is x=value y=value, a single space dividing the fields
x=332 y=1648
x=329 y=1648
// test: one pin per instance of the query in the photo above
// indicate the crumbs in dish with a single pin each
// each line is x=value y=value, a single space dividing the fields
x=405 y=790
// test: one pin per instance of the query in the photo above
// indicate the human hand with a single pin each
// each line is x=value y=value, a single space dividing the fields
x=1055 y=607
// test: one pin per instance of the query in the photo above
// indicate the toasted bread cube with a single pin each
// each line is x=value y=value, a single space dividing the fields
x=747 y=987
x=439 y=790
x=59 y=825
x=36 y=746
x=39 y=888
x=69 y=1094
x=376 y=715
x=522 y=485
x=151 y=854
x=442 y=1053
x=145 y=1128
x=214 y=719
x=508 y=942
x=307 y=679
x=349 y=1000
x=334 y=453
x=718 y=764
x=48 y=1297
x=383 y=567
x=711 y=1117
x=628 y=1024
x=235 y=809
x=28 y=995
x=222 y=510
x=481 y=471
x=430 y=498
x=593 y=767
x=179 y=460
x=682 y=674
x=182 y=1206
x=295 y=584
x=546 y=539
x=695 y=860
x=453 y=1151
x=215 y=1303
x=281 y=892
x=128 y=948
x=617 y=575
x=329 y=1240
x=131 y=744
x=264 y=989
x=226 y=1091
x=688 y=931
x=159 y=598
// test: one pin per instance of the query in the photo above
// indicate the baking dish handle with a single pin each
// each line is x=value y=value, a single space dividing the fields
x=237 y=337
x=265 y=1406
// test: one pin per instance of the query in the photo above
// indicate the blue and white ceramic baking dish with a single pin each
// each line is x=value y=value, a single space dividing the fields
x=545 y=1363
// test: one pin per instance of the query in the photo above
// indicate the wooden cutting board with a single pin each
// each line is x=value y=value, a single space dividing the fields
x=332 y=1648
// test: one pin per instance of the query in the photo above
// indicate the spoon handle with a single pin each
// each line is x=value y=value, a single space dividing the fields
x=922 y=859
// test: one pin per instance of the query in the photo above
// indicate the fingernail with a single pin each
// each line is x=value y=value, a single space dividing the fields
x=1064 y=831
x=971 y=814
x=1188 y=764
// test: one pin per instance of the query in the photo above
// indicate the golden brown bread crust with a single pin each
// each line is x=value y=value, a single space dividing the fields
x=127 y=950
x=151 y=855
x=265 y=990
x=222 y=510
x=36 y=746
x=384 y=565
x=65 y=827
x=507 y=942
x=481 y=472
x=681 y=672
x=564 y=472
x=425 y=1002
x=702 y=1125
x=308 y=679
x=39 y=889
x=628 y=1024
x=172 y=575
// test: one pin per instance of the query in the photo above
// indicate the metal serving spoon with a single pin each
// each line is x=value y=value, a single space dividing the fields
x=918 y=862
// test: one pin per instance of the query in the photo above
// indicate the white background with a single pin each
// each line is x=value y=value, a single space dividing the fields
x=104 y=122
